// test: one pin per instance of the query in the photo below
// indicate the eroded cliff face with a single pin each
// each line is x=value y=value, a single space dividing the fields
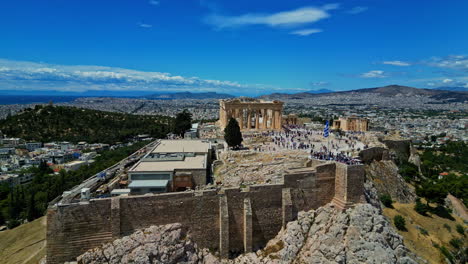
x=384 y=174
x=326 y=235
x=156 y=244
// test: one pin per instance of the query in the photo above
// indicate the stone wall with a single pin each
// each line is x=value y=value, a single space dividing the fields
x=72 y=229
x=231 y=221
x=199 y=176
x=375 y=153
x=401 y=148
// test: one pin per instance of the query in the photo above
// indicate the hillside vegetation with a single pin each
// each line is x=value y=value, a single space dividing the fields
x=24 y=244
x=424 y=235
x=61 y=123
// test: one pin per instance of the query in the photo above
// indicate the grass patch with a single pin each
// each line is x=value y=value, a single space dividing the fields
x=437 y=227
x=24 y=244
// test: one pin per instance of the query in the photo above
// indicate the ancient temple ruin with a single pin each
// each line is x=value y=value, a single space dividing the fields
x=251 y=114
x=351 y=123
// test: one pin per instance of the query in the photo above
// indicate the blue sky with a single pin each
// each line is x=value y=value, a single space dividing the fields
x=240 y=47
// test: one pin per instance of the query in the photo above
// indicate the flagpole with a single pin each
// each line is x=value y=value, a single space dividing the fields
x=328 y=141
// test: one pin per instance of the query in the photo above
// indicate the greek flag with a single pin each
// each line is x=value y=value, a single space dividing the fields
x=102 y=175
x=326 y=132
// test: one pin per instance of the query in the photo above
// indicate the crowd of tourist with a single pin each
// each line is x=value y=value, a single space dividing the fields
x=339 y=157
x=338 y=147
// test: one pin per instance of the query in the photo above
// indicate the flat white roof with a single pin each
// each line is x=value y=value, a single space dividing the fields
x=120 y=191
x=197 y=162
x=148 y=183
x=182 y=146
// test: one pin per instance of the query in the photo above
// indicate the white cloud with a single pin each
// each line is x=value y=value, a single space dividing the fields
x=40 y=76
x=295 y=17
x=459 y=82
x=357 y=10
x=153 y=2
x=306 y=32
x=397 y=63
x=143 y=25
x=373 y=74
x=458 y=62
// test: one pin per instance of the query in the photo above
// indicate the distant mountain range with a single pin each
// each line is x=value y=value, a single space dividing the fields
x=448 y=94
x=45 y=96
x=320 y=91
x=385 y=91
x=187 y=95
x=455 y=89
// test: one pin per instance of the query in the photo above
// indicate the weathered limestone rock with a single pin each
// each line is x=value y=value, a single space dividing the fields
x=328 y=235
x=386 y=179
x=156 y=244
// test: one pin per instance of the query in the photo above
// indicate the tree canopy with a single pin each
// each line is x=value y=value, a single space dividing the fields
x=183 y=122
x=232 y=133
x=62 y=123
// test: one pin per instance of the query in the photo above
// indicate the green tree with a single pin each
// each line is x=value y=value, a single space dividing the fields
x=421 y=208
x=432 y=191
x=232 y=134
x=31 y=208
x=460 y=229
x=183 y=122
x=386 y=199
x=400 y=222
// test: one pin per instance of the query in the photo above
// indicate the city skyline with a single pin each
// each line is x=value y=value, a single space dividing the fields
x=240 y=48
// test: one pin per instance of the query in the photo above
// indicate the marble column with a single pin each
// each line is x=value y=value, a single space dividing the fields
x=257 y=121
x=249 y=119
x=273 y=119
x=241 y=118
x=278 y=119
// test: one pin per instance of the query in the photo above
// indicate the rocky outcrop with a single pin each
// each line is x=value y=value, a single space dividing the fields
x=326 y=235
x=457 y=207
x=414 y=158
x=386 y=179
x=156 y=244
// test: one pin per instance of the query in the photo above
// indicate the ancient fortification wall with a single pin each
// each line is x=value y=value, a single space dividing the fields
x=232 y=220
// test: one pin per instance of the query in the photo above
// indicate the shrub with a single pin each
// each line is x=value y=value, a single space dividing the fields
x=421 y=208
x=456 y=243
x=386 y=200
x=448 y=227
x=424 y=231
x=13 y=223
x=400 y=222
x=446 y=253
x=460 y=229
x=443 y=212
